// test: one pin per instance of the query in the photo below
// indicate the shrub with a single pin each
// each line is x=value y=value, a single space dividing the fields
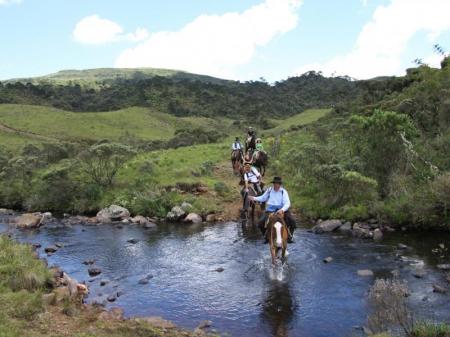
x=388 y=301
x=102 y=161
x=221 y=188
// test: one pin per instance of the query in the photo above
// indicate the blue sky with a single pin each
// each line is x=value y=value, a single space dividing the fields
x=238 y=39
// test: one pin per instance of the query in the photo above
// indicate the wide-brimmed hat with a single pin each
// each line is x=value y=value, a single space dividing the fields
x=277 y=180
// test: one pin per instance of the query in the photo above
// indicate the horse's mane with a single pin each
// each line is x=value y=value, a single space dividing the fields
x=274 y=218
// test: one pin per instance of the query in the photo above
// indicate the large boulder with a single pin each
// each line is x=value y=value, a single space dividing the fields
x=6 y=211
x=326 y=226
x=140 y=220
x=377 y=234
x=346 y=228
x=359 y=231
x=193 y=218
x=29 y=220
x=113 y=213
x=175 y=214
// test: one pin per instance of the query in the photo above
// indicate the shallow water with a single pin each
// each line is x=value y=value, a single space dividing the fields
x=249 y=298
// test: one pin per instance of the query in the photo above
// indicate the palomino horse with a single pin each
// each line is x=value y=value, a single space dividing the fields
x=236 y=161
x=260 y=160
x=278 y=236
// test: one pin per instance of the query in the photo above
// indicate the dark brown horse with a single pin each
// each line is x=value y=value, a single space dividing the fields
x=250 y=143
x=236 y=161
x=260 y=161
x=278 y=236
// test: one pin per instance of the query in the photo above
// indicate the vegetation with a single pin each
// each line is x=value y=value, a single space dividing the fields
x=382 y=150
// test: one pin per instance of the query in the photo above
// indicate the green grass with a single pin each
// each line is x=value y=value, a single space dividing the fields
x=142 y=123
x=303 y=118
x=427 y=329
x=13 y=141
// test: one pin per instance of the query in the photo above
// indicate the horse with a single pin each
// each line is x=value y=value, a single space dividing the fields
x=278 y=236
x=236 y=161
x=248 y=205
x=260 y=160
x=250 y=143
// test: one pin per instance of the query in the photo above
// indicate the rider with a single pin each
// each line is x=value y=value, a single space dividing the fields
x=252 y=176
x=236 y=145
x=250 y=135
x=259 y=147
x=277 y=201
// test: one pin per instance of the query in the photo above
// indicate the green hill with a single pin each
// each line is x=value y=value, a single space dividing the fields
x=94 y=77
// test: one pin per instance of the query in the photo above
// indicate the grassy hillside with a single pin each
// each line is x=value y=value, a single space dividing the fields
x=94 y=77
x=142 y=123
x=303 y=118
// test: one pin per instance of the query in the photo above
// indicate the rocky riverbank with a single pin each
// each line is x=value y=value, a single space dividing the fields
x=57 y=303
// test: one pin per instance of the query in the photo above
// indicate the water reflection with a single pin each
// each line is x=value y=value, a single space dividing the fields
x=278 y=308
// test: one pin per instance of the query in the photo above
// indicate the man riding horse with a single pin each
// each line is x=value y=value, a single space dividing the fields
x=253 y=177
x=277 y=201
x=250 y=143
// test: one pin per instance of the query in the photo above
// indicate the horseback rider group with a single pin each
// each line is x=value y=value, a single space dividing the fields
x=275 y=198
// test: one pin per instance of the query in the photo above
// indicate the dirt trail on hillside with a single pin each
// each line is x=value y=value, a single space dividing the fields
x=224 y=172
x=6 y=128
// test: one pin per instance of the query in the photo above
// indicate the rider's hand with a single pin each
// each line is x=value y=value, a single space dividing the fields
x=280 y=212
x=246 y=190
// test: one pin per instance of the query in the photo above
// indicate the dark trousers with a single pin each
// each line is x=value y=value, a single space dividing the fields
x=290 y=222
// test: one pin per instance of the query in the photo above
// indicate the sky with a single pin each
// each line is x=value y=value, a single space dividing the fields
x=233 y=39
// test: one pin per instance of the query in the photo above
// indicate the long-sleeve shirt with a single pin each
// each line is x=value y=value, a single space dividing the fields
x=236 y=146
x=275 y=200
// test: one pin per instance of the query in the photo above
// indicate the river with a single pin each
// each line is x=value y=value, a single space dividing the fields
x=248 y=298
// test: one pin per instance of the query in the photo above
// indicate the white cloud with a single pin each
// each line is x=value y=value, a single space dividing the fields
x=95 y=30
x=382 y=41
x=215 y=44
x=9 y=2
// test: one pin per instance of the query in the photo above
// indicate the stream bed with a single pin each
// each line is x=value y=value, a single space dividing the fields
x=222 y=273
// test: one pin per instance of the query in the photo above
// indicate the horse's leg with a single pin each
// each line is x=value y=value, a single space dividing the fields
x=253 y=213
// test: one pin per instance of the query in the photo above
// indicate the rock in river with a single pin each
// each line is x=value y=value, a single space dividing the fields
x=193 y=218
x=50 y=249
x=377 y=234
x=419 y=273
x=29 y=220
x=133 y=241
x=444 y=266
x=113 y=213
x=328 y=259
x=94 y=271
x=439 y=289
x=326 y=226
x=365 y=272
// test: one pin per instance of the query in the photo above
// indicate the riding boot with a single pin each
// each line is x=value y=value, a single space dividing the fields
x=290 y=236
x=266 y=236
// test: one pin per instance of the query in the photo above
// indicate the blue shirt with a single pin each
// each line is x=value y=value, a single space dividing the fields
x=275 y=200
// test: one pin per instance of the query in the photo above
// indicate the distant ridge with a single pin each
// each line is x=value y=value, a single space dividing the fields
x=109 y=75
